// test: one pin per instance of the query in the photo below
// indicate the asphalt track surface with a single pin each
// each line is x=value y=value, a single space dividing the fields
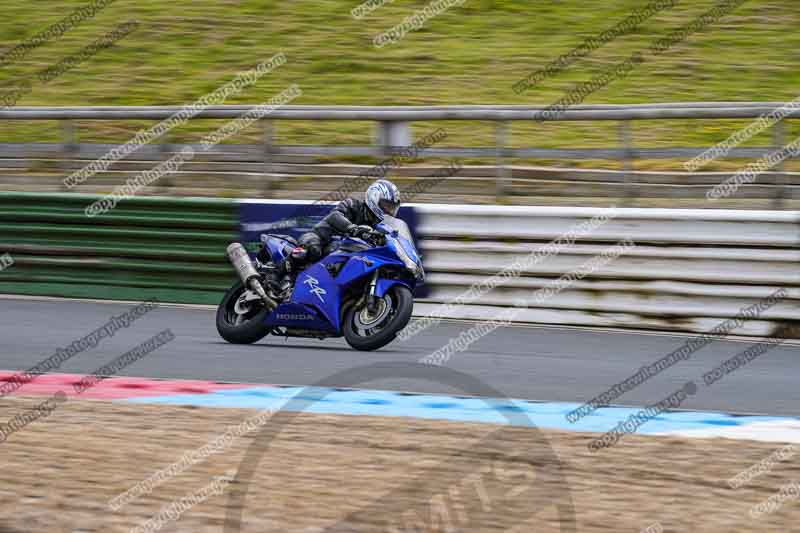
x=534 y=363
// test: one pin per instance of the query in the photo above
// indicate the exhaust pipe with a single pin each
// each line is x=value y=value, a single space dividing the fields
x=248 y=273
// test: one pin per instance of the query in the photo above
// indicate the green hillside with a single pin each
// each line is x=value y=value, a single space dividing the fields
x=470 y=54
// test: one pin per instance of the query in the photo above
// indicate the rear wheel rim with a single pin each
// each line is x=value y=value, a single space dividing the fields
x=234 y=319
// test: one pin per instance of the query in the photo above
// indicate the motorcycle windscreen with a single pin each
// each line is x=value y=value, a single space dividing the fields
x=404 y=236
x=399 y=225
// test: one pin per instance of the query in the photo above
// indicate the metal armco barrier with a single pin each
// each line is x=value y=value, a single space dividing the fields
x=304 y=171
x=169 y=248
x=689 y=269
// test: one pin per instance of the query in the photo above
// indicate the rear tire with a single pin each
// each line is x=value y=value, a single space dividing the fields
x=402 y=304
x=250 y=330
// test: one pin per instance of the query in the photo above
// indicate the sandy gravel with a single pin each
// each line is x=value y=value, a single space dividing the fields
x=311 y=472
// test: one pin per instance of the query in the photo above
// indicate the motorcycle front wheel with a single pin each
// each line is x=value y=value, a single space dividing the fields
x=369 y=330
x=240 y=323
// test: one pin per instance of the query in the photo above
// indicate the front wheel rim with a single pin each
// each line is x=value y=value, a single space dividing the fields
x=366 y=324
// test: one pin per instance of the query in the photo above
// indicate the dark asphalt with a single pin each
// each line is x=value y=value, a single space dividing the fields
x=538 y=363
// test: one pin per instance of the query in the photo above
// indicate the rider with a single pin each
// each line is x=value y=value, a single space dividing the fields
x=351 y=217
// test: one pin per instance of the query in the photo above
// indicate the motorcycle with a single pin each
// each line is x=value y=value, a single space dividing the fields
x=362 y=289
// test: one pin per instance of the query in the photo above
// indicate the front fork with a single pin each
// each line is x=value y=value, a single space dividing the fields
x=371 y=302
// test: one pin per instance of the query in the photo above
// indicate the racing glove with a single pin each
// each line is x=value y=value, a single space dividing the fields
x=360 y=232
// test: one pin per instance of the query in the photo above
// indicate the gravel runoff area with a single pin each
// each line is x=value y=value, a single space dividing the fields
x=360 y=473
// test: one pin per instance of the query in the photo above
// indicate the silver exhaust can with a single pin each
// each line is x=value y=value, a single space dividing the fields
x=242 y=263
x=248 y=273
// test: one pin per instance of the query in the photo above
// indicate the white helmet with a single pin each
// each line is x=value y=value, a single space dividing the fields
x=383 y=199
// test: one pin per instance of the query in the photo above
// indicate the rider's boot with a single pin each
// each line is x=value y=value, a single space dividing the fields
x=296 y=262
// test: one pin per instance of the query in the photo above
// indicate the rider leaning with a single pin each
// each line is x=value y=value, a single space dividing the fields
x=351 y=217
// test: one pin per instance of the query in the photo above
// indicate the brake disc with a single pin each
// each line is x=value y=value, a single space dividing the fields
x=365 y=319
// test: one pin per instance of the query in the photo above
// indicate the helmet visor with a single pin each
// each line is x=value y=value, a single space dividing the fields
x=388 y=207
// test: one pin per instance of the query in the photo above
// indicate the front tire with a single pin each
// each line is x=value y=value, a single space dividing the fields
x=366 y=331
x=250 y=327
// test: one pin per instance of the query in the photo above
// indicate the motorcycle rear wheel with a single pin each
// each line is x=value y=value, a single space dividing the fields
x=250 y=327
x=367 y=331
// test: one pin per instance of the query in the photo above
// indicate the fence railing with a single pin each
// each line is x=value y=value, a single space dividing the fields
x=393 y=134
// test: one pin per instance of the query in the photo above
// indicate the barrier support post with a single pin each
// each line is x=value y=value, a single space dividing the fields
x=778 y=141
x=268 y=128
x=69 y=147
x=166 y=150
x=502 y=173
x=626 y=140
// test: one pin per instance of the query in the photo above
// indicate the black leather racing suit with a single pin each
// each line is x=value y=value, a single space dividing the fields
x=349 y=213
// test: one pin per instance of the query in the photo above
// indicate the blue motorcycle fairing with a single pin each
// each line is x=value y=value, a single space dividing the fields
x=294 y=315
x=316 y=287
x=278 y=248
x=360 y=264
x=383 y=286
